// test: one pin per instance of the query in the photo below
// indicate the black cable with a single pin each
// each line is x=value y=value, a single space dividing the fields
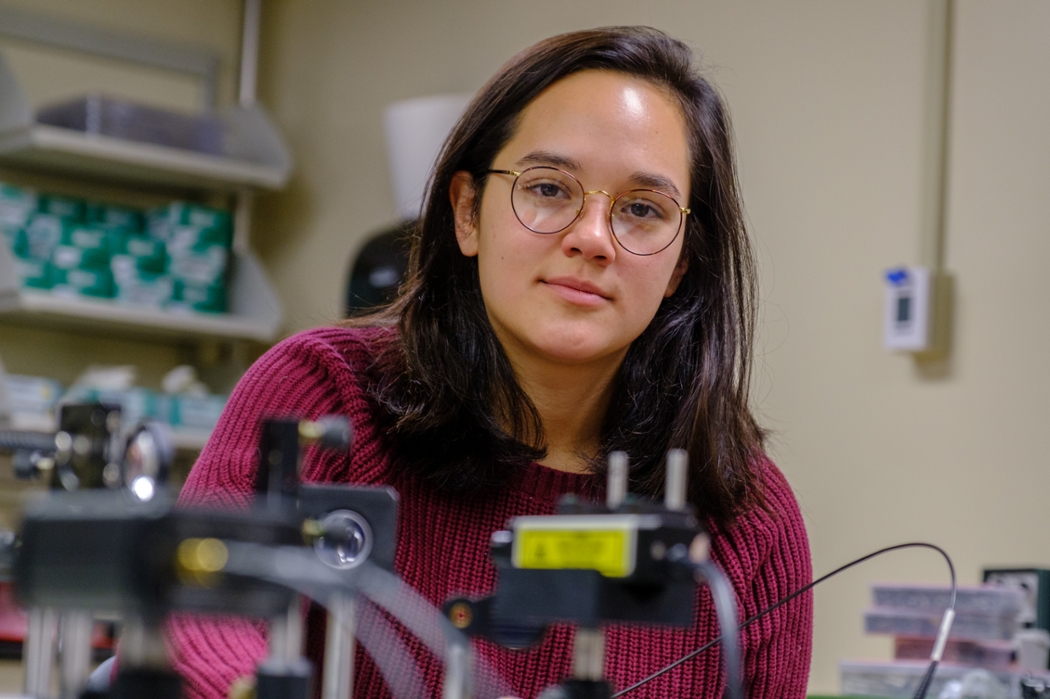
x=927 y=678
x=802 y=590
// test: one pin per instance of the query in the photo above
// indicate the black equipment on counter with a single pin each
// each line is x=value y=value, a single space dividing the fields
x=90 y=450
x=108 y=551
x=627 y=561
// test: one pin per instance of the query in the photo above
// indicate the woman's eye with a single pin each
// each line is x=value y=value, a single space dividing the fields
x=546 y=190
x=641 y=209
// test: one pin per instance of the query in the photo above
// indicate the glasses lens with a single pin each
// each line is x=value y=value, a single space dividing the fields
x=645 y=222
x=546 y=200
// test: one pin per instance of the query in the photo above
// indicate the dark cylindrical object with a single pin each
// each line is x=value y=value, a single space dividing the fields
x=17 y=440
x=107 y=551
x=578 y=689
x=135 y=683
x=85 y=445
x=284 y=680
x=277 y=478
x=26 y=464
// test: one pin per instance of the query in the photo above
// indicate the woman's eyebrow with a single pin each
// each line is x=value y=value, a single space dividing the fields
x=646 y=180
x=650 y=180
x=542 y=157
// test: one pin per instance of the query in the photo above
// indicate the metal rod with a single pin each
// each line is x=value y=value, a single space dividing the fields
x=286 y=635
x=676 y=479
x=40 y=652
x=278 y=635
x=142 y=645
x=14 y=440
x=933 y=233
x=588 y=659
x=75 y=643
x=249 y=52
x=458 y=671
x=616 y=489
x=338 y=679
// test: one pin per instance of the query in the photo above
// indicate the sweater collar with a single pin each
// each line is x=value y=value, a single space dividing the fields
x=550 y=484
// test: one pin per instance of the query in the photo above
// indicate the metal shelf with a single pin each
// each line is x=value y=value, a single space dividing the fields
x=254 y=154
x=70 y=152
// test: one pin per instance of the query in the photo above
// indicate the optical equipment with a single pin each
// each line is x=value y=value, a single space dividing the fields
x=90 y=450
x=547 y=200
x=624 y=561
x=628 y=560
x=109 y=551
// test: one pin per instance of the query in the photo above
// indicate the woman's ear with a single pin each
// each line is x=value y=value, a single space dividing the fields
x=676 y=276
x=461 y=193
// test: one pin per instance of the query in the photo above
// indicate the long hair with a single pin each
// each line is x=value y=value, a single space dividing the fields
x=446 y=391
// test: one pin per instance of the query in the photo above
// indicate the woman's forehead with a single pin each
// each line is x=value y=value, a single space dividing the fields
x=603 y=124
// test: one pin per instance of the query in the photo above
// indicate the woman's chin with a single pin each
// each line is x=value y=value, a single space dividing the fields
x=579 y=352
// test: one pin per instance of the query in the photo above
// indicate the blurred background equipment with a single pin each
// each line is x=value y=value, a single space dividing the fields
x=379 y=269
x=415 y=131
x=90 y=451
x=991 y=648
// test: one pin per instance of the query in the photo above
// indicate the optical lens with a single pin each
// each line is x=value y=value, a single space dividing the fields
x=348 y=541
x=645 y=222
x=546 y=200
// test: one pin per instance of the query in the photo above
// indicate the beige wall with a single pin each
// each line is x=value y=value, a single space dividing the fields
x=837 y=110
x=837 y=117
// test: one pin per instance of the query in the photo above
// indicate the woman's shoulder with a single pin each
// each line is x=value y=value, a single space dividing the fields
x=355 y=347
x=770 y=532
x=337 y=358
x=312 y=374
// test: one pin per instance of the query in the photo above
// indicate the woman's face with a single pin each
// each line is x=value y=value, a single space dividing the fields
x=576 y=296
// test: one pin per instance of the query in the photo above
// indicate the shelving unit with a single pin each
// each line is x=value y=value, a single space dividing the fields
x=254 y=157
x=54 y=149
x=254 y=309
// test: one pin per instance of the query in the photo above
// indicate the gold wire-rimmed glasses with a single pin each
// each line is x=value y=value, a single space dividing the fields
x=548 y=200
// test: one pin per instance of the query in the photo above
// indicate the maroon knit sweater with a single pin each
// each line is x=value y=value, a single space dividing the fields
x=443 y=548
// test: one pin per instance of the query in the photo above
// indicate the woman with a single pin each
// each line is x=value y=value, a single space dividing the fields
x=580 y=282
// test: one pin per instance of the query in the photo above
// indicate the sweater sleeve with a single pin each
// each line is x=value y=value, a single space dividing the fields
x=771 y=560
x=306 y=376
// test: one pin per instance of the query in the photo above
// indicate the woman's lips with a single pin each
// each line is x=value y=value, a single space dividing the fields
x=577 y=291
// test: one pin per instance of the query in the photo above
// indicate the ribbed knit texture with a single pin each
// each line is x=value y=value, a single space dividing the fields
x=443 y=548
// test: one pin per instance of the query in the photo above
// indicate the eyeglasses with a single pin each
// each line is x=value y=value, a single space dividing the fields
x=547 y=200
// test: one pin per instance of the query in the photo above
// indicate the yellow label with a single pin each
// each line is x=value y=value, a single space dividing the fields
x=605 y=551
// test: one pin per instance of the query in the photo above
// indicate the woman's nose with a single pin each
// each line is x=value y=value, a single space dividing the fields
x=590 y=234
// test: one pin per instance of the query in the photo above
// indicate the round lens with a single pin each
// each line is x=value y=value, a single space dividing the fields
x=546 y=200
x=347 y=541
x=147 y=457
x=645 y=222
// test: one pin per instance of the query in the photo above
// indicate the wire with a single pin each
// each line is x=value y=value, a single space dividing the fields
x=806 y=588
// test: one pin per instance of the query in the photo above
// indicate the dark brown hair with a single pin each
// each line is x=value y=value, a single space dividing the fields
x=448 y=395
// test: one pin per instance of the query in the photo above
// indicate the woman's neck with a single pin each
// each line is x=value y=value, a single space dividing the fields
x=571 y=400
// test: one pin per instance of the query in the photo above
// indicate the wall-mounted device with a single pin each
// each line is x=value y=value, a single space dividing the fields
x=908 y=318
